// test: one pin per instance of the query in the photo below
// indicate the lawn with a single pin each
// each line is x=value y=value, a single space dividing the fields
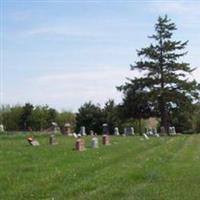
x=166 y=168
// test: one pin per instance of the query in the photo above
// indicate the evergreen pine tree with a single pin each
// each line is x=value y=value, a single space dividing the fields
x=164 y=79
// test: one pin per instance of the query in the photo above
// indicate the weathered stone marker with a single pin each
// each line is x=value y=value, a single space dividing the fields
x=132 y=131
x=52 y=139
x=33 y=142
x=82 y=131
x=95 y=143
x=162 y=130
x=105 y=129
x=105 y=140
x=67 y=129
x=80 y=144
x=1 y=128
x=116 y=131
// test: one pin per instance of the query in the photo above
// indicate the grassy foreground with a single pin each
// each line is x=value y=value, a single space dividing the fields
x=130 y=168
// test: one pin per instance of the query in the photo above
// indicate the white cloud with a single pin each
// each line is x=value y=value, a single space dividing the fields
x=176 y=7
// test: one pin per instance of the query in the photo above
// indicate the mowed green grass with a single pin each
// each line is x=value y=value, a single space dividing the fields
x=130 y=168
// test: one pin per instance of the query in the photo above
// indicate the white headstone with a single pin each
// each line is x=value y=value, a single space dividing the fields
x=1 y=128
x=75 y=135
x=172 y=130
x=95 y=142
x=132 y=131
x=116 y=131
x=82 y=131
x=145 y=136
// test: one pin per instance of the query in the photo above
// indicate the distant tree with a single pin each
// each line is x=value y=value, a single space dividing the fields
x=111 y=113
x=90 y=116
x=25 y=119
x=165 y=80
x=11 y=118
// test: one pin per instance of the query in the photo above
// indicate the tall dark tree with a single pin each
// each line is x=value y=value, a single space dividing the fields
x=111 y=115
x=136 y=103
x=90 y=116
x=164 y=79
x=26 y=116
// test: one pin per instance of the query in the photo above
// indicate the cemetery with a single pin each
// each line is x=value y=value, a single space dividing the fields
x=76 y=123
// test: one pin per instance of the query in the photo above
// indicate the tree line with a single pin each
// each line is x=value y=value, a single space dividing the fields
x=39 y=118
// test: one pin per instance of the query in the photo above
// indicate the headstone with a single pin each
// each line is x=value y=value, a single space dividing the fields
x=105 y=140
x=1 y=128
x=105 y=129
x=150 y=132
x=145 y=136
x=129 y=131
x=132 y=131
x=80 y=144
x=33 y=142
x=94 y=142
x=116 y=131
x=67 y=129
x=162 y=130
x=172 y=130
x=91 y=132
x=52 y=139
x=125 y=132
x=75 y=135
x=82 y=131
x=154 y=130
x=55 y=127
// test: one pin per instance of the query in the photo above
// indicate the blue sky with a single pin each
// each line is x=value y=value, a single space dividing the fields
x=64 y=53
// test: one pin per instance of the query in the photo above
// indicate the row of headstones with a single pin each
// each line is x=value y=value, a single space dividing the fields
x=79 y=144
x=172 y=130
x=154 y=132
x=82 y=132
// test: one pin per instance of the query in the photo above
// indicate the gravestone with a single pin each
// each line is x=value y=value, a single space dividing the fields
x=95 y=142
x=154 y=130
x=125 y=132
x=54 y=127
x=1 y=128
x=145 y=136
x=162 y=130
x=105 y=140
x=150 y=132
x=67 y=129
x=80 y=144
x=33 y=142
x=129 y=131
x=172 y=130
x=105 y=129
x=116 y=131
x=82 y=131
x=75 y=135
x=52 y=139
x=91 y=132
x=132 y=131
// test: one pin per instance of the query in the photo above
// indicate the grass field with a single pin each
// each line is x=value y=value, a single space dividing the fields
x=166 y=168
